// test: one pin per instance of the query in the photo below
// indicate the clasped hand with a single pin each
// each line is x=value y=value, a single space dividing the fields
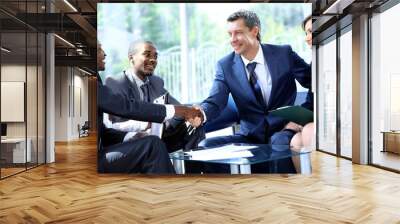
x=192 y=114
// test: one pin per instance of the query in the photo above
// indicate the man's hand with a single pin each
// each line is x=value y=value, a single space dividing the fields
x=293 y=126
x=197 y=121
x=131 y=136
x=148 y=126
x=191 y=114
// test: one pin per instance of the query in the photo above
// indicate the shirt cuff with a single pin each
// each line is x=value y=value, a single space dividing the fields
x=170 y=112
x=128 y=136
x=204 y=115
x=143 y=126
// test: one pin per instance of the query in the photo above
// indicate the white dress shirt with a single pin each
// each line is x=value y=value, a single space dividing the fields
x=262 y=73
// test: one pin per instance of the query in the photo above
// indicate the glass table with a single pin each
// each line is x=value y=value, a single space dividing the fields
x=242 y=165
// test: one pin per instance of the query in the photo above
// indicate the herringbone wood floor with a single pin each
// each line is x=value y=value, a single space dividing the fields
x=71 y=191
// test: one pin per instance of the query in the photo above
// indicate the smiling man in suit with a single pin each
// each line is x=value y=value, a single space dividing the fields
x=146 y=155
x=138 y=82
x=260 y=78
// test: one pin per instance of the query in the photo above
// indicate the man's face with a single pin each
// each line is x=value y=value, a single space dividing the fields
x=242 y=37
x=308 y=29
x=101 y=56
x=145 y=60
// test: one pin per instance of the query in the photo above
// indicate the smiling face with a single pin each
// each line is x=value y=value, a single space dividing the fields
x=101 y=56
x=144 y=61
x=242 y=38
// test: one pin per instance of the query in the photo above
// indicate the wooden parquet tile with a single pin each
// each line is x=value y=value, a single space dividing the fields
x=71 y=191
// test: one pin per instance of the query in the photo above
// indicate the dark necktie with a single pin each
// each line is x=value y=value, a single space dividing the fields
x=255 y=86
x=145 y=91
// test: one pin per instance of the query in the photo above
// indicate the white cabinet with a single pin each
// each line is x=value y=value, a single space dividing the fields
x=13 y=150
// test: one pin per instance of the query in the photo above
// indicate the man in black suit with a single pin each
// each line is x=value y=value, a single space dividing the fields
x=138 y=82
x=146 y=155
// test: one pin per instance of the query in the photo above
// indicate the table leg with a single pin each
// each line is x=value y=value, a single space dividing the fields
x=179 y=166
x=235 y=169
x=304 y=165
x=240 y=169
x=245 y=169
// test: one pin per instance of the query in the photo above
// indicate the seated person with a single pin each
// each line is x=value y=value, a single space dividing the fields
x=138 y=82
x=305 y=135
x=260 y=77
x=146 y=155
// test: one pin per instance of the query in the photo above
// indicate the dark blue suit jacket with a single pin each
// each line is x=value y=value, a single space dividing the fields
x=284 y=66
x=118 y=104
x=115 y=103
x=123 y=85
x=309 y=102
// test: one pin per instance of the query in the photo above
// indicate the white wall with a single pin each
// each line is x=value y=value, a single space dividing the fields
x=61 y=103
x=13 y=73
x=80 y=101
x=71 y=102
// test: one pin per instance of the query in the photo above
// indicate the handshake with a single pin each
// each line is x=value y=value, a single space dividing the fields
x=192 y=114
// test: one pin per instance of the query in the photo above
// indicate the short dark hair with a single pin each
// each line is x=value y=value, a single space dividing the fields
x=133 y=46
x=303 y=24
x=250 y=20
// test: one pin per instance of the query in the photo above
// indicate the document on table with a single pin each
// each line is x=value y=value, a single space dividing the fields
x=224 y=152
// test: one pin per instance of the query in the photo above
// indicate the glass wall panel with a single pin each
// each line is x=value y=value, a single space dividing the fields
x=32 y=85
x=22 y=88
x=31 y=98
x=346 y=94
x=385 y=89
x=13 y=87
x=41 y=89
x=327 y=96
x=41 y=98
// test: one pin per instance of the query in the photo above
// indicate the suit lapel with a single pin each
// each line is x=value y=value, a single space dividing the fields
x=131 y=86
x=240 y=73
x=272 y=61
x=153 y=89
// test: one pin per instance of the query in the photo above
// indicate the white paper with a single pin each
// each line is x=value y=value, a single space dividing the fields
x=157 y=128
x=218 y=156
x=224 y=152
